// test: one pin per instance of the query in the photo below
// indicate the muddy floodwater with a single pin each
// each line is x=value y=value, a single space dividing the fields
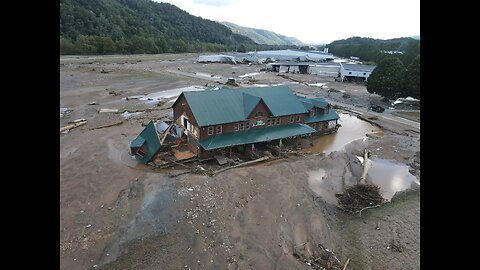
x=391 y=177
x=352 y=129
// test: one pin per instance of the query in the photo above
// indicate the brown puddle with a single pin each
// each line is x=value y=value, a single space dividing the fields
x=391 y=177
x=352 y=129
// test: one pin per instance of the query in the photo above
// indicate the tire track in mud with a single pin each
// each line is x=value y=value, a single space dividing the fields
x=159 y=209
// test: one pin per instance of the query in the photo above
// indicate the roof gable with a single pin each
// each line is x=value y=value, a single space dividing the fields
x=249 y=103
x=309 y=103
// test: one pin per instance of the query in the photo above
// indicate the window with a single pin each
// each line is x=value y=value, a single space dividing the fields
x=269 y=122
x=241 y=126
x=277 y=121
x=350 y=72
x=298 y=118
x=235 y=127
x=141 y=152
x=259 y=114
x=312 y=112
x=219 y=129
x=210 y=130
x=291 y=119
x=247 y=125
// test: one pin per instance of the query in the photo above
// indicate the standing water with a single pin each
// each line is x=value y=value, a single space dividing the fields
x=352 y=129
x=390 y=177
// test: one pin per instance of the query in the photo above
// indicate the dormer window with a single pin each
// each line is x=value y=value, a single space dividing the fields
x=312 y=112
x=259 y=114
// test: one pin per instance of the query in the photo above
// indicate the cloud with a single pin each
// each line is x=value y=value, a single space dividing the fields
x=215 y=2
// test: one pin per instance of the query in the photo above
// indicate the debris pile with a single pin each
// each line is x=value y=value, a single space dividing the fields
x=359 y=197
x=64 y=112
x=322 y=259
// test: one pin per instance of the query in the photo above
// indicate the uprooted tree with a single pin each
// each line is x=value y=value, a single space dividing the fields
x=361 y=196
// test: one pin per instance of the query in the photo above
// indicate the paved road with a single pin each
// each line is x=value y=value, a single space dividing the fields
x=385 y=115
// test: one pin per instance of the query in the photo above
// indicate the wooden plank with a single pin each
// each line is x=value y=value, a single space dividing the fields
x=71 y=126
x=108 y=125
x=241 y=164
x=221 y=159
x=166 y=133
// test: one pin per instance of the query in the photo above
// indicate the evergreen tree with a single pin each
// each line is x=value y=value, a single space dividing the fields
x=387 y=79
x=412 y=79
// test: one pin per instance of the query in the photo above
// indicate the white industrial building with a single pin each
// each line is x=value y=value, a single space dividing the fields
x=328 y=69
x=355 y=71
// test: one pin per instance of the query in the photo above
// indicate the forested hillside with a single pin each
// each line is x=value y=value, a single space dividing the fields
x=139 y=26
x=370 y=50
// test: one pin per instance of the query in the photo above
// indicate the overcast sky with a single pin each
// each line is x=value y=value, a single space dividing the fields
x=314 y=21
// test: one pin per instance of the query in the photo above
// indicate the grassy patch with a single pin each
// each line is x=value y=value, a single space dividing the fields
x=351 y=227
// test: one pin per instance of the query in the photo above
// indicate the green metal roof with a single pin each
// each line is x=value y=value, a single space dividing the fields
x=150 y=137
x=138 y=142
x=317 y=102
x=331 y=115
x=227 y=105
x=280 y=100
x=255 y=135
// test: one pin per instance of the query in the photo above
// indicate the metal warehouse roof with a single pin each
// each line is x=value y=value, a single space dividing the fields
x=255 y=135
x=216 y=58
x=213 y=107
x=331 y=115
x=358 y=67
x=305 y=64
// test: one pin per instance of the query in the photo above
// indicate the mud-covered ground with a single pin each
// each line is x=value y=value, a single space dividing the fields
x=116 y=214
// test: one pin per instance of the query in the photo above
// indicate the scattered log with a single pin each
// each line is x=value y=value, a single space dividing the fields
x=180 y=164
x=108 y=125
x=365 y=208
x=241 y=164
x=74 y=125
x=346 y=263
x=366 y=166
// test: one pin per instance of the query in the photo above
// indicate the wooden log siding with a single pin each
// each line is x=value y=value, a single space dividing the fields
x=230 y=127
x=181 y=107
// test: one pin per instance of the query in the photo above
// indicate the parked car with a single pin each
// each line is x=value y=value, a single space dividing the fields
x=376 y=108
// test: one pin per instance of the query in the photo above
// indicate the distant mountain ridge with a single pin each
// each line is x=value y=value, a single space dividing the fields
x=262 y=36
x=400 y=42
